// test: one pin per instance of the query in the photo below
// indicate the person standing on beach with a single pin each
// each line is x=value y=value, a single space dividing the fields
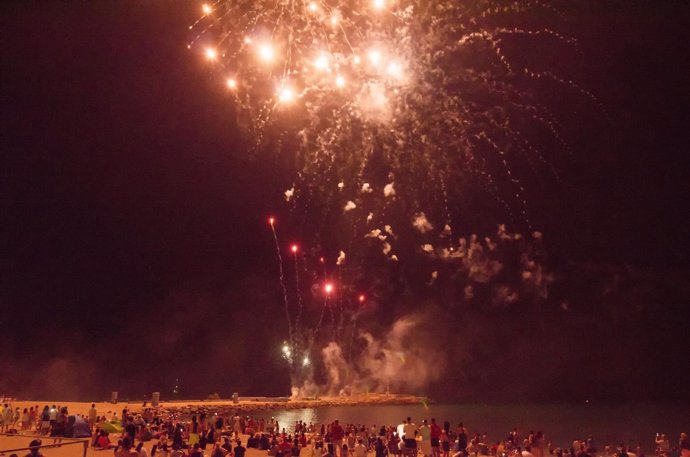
x=435 y=433
x=337 y=435
x=684 y=445
x=33 y=417
x=25 y=419
x=5 y=418
x=410 y=437
x=380 y=448
x=425 y=434
x=92 y=416
x=462 y=439
x=445 y=443
x=236 y=426
x=45 y=421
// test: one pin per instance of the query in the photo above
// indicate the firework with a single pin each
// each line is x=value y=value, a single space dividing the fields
x=388 y=110
x=431 y=90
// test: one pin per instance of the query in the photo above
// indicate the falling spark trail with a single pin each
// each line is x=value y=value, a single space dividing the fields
x=318 y=325
x=352 y=336
x=282 y=285
x=341 y=317
x=299 y=294
x=334 y=328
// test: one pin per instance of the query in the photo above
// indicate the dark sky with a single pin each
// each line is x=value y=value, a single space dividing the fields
x=125 y=187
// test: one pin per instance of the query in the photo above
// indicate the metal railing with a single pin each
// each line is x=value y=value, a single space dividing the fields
x=64 y=442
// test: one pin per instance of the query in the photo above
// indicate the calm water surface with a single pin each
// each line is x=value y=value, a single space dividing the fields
x=561 y=423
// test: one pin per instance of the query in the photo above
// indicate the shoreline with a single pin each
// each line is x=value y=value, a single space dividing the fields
x=244 y=405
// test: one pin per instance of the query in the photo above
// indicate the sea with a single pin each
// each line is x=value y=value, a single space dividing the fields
x=612 y=424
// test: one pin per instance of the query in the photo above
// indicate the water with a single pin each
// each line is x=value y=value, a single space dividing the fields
x=561 y=423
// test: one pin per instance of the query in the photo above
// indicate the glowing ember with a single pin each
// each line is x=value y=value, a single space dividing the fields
x=285 y=95
x=266 y=53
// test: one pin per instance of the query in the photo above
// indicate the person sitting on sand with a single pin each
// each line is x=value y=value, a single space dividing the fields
x=177 y=451
x=103 y=442
x=35 y=447
x=264 y=443
x=239 y=450
x=141 y=450
x=527 y=452
x=196 y=451
x=218 y=451
x=126 y=450
x=227 y=445
x=360 y=450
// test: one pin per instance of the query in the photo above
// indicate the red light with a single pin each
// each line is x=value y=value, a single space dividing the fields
x=362 y=298
x=294 y=248
x=328 y=287
x=271 y=220
x=321 y=259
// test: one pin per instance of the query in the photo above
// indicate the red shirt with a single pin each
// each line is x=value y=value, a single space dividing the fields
x=337 y=432
x=435 y=431
x=285 y=446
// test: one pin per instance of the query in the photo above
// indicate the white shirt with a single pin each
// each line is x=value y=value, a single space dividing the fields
x=408 y=431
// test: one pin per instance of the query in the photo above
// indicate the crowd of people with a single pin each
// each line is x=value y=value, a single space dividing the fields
x=152 y=433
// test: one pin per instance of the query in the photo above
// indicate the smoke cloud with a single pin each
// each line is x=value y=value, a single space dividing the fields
x=402 y=360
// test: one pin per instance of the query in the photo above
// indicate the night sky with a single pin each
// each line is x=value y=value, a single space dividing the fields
x=134 y=245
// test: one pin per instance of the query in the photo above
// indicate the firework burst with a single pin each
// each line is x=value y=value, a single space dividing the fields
x=380 y=101
x=375 y=93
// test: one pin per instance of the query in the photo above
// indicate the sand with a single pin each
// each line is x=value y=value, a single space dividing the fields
x=77 y=449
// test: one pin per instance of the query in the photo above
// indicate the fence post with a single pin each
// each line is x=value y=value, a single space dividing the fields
x=86 y=446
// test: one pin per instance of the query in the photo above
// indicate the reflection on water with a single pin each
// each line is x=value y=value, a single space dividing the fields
x=561 y=423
